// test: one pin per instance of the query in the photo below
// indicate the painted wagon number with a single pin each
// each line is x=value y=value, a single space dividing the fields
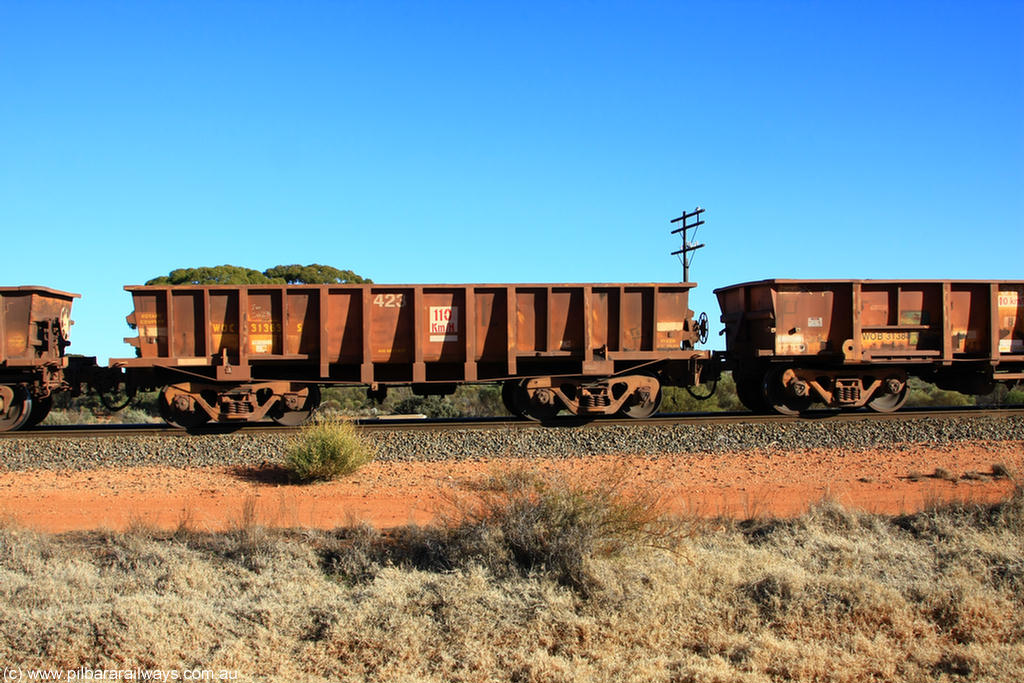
x=389 y=300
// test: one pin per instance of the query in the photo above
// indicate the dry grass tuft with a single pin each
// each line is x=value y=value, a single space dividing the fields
x=1001 y=471
x=326 y=449
x=520 y=523
x=552 y=525
x=914 y=475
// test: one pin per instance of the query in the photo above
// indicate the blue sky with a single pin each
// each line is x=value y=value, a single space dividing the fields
x=506 y=142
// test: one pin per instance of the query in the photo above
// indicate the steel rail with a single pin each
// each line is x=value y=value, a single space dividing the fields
x=454 y=424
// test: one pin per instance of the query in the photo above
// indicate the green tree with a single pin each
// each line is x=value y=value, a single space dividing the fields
x=315 y=274
x=214 y=275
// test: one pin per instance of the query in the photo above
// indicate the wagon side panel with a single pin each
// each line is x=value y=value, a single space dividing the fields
x=17 y=307
x=35 y=325
x=1010 y=319
x=812 y=319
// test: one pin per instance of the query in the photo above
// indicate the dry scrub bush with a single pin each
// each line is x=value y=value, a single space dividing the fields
x=327 y=448
x=354 y=554
x=522 y=522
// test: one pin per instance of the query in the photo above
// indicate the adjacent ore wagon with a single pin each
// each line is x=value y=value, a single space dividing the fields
x=35 y=323
x=852 y=343
x=235 y=353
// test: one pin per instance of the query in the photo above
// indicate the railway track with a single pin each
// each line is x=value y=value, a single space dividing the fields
x=456 y=424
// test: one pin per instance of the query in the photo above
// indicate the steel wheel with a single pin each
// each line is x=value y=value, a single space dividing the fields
x=749 y=392
x=294 y=418
x=509 y=390
x=40 y=409
x=639 y=407
x=18 y=412
x=889 y=403
x=529 y=407
x=184 y=419
x=778 y=396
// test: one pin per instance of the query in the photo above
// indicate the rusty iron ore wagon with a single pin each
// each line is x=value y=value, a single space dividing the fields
x=237 y=353
x=35 y=324
x=241 y=353
x=853 y=343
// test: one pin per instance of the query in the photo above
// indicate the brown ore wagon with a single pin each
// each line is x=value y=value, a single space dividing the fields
x=35 y=323
x=852 y=343
x=233 y=353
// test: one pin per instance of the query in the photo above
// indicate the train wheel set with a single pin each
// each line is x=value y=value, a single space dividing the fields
x=542 y=398
x=790 y=390
x=192 y=404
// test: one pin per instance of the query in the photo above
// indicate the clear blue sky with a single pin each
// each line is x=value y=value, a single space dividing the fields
x=506 y=142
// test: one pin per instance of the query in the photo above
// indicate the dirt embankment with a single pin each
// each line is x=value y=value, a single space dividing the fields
x=385 y=494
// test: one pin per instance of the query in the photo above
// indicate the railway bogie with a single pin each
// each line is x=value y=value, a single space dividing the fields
x=191 y=404
x=630 y=395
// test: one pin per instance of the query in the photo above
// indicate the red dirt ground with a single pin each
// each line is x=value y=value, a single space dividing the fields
x=388 y=494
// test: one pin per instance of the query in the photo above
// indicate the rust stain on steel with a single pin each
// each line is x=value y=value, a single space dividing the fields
x=35 y=326
x=851 y=343
x=413 y=333
x=35 y=329
x=876 y=320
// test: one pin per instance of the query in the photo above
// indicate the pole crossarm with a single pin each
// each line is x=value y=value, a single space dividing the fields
x=686 y=252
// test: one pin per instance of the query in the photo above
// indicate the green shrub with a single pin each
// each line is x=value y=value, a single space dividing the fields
x=478 y=400
x=326 y=449
x=346 y=400
x=431 y=406
x=679 y=400
x=924 y=394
